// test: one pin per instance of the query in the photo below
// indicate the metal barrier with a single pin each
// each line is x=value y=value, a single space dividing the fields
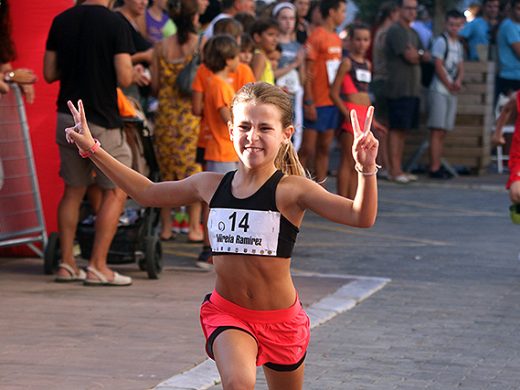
x=21 y=214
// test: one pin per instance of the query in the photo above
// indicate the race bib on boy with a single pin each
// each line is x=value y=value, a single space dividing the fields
x=363 y=75
x=248 y=232
x=289 y=81
x=332 y=69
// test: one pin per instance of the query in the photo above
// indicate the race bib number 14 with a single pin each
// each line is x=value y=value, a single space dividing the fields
x=251 y=232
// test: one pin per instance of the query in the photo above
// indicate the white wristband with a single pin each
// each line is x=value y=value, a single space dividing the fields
x=360 y=170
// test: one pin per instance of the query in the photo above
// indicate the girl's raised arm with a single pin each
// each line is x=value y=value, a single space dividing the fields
x=362 y=210
x=139 y=187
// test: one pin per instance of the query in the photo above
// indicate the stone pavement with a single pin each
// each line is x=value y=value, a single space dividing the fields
x=448 y=319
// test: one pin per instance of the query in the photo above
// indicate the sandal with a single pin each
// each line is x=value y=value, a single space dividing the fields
x=400 y=179
x=101 y=280
x=72 y=276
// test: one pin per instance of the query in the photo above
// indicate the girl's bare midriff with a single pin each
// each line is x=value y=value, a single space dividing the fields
x=360 y=98
x=255 y=282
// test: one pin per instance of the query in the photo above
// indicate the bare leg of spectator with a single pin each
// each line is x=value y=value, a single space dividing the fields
x=436 y=147
x=95 y=196
x=396 y=148
x=382 y=154
x=107 y=219
x=68 y=215
x=195 y=233
x=307 y=150
x=322 y=154
x=346 y=176
x=166 y=224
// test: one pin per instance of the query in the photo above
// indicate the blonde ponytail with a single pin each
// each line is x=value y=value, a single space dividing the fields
x=287 y=160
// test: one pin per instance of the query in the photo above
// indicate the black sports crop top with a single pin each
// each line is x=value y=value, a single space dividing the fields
x=249 y=226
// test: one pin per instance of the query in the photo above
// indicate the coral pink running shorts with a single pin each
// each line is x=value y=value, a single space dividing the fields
x=361 y=112
x=282 y=335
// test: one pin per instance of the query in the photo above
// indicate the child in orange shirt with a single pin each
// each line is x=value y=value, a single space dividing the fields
x=221 y=58
x=265 y=35
x=320 y=114
x=349 y=91
x=237 y=78
x=220 y=62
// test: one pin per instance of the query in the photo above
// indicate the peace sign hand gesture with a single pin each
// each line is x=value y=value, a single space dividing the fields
x=80 y=133
x=365 y=146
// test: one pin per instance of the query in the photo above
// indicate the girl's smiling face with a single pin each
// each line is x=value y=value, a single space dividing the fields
x=257 y=133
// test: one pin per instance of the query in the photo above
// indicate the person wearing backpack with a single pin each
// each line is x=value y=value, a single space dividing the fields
x=447 y=53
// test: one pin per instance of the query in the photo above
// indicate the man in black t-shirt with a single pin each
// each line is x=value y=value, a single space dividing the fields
x=88 y=50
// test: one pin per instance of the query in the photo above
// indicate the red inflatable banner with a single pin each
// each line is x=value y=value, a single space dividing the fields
x=31 y=21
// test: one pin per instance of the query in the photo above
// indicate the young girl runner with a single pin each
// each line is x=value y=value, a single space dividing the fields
x=349 y=91
x=254 y=316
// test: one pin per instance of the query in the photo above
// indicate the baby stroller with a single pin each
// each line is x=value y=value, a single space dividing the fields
x=137 y=237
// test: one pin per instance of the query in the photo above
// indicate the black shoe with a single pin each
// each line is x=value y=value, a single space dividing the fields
x=203 y=261
x=439 y=174
x=447 y=173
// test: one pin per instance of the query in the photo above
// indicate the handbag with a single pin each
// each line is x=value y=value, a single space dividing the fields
x=186 y=76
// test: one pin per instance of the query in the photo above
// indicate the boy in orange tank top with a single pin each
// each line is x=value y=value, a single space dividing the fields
x=322 y=62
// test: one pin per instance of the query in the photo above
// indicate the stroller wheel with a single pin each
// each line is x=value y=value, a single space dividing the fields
x=153 y=257
x=52 y=254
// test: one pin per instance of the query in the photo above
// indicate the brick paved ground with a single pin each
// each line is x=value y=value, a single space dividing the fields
x=449 y=319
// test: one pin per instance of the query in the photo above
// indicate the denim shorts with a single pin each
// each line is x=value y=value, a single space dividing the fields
x=328 y=119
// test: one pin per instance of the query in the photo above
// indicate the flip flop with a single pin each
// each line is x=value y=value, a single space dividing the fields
x=72 y=275
x=101 y=280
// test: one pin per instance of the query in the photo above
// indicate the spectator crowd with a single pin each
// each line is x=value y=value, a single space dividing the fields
x=182 y=61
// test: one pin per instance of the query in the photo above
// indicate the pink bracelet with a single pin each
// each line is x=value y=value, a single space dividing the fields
x=93 y=149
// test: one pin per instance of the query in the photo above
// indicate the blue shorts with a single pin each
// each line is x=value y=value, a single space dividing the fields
x=328 y=119
x=403 y=113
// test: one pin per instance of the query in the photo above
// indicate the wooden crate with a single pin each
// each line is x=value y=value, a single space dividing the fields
x=469 y=143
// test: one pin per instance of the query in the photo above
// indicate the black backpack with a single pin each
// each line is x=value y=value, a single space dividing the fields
x=428 y=68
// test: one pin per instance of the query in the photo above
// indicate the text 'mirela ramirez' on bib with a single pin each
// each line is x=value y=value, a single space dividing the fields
x=249 y=226
x=252 y=232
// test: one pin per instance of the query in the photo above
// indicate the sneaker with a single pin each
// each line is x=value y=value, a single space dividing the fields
x=205 y=261
x=448 y=174
x=514 y=212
